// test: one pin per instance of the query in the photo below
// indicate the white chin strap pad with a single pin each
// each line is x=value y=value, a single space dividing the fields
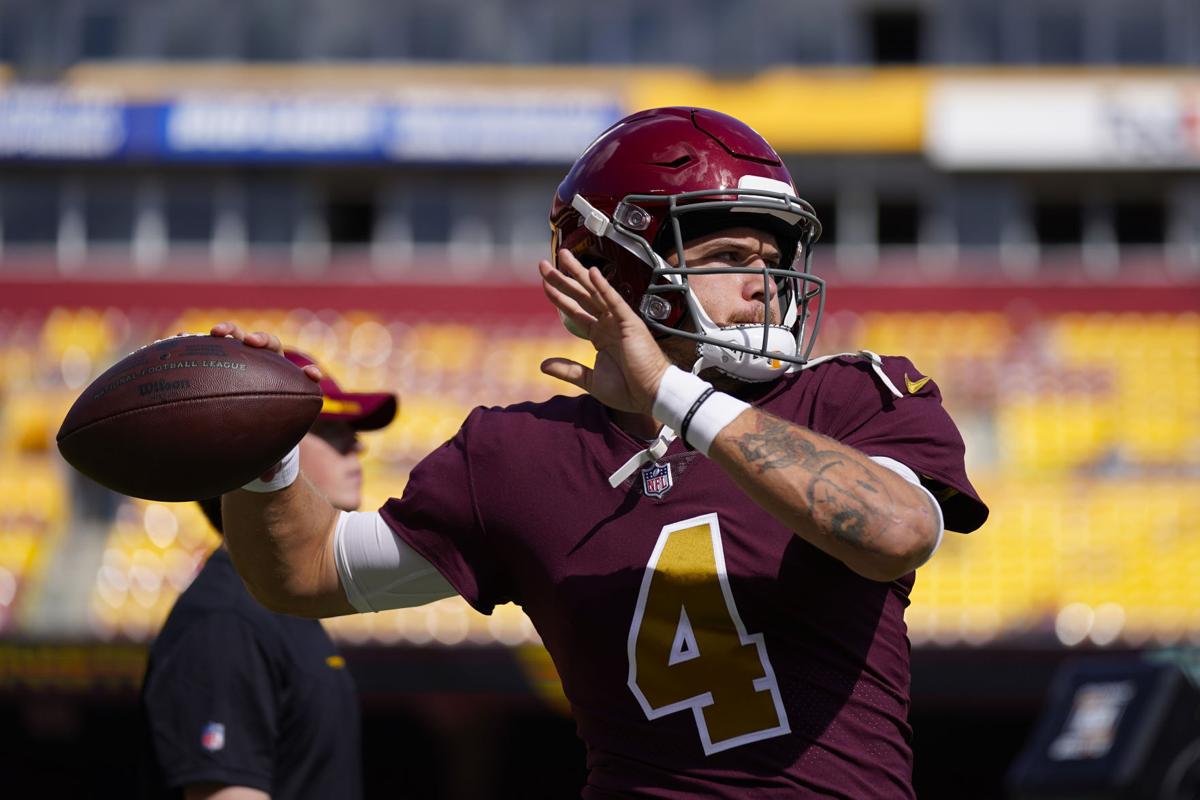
x=748 y=366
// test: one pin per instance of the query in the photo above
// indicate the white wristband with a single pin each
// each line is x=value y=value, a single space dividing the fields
x=690 y=405
x=280 y=476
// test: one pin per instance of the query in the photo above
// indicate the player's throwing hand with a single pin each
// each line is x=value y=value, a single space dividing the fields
x=629 y=363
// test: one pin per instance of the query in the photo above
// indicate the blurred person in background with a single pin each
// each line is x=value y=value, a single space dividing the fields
x=716 y=542
x=242 y=702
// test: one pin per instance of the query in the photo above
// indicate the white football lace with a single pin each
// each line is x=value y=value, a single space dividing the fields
x=179 y=335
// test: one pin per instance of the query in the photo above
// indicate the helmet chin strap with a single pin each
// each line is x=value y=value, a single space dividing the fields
x=757 y=367
x=749 y=367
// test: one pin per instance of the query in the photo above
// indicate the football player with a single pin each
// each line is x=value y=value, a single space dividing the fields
x=242 y=703
x=717 y=540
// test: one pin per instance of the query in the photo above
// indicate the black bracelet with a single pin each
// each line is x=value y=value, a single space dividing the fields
x=687 y=418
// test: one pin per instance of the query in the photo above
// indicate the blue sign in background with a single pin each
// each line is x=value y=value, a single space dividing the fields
x=46 y=124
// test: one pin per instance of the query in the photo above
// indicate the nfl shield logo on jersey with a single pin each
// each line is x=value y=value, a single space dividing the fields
x=213 y=737
x=656 y=480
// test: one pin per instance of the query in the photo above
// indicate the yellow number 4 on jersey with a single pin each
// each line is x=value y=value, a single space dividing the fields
x=688 y=648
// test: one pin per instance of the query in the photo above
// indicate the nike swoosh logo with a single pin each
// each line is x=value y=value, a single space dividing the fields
x=914 y=386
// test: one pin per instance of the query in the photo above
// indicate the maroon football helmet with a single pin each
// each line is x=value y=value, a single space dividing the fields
x=661 y=177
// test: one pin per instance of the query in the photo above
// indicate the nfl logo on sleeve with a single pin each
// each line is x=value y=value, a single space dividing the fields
x=213 y=737
x=656 y=480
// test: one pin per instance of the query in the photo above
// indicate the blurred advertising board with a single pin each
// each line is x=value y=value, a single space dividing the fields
x=960 y=119
x=422 y=127
x=1076 y=123
x=47 y=123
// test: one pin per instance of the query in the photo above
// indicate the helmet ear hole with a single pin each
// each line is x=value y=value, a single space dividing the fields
x=590 y=259
x=624 y=289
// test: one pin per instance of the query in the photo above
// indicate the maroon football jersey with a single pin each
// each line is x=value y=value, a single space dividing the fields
x=705 y=648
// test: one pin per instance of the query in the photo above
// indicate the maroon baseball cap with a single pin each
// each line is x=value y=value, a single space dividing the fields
x=365 y=411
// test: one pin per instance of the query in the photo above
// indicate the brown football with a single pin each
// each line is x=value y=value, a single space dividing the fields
x=188 y=418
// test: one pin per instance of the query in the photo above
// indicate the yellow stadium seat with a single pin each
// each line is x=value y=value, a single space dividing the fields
x=1055 y=413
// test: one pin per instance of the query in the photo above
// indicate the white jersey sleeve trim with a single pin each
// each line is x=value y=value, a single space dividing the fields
x=906 y=472
x=378 y=569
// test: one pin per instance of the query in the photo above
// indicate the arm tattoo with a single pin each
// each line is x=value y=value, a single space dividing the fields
x=844 y=498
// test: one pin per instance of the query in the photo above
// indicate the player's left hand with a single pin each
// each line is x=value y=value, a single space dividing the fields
x=629 y=363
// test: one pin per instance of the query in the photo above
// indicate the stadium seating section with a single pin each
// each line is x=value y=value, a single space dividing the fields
x=1083 y=434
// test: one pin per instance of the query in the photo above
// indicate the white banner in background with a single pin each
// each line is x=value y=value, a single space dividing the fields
x=1082 y=123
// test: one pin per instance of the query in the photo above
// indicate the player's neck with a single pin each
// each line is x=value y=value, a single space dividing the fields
x=641 y=426
x=638 y=426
